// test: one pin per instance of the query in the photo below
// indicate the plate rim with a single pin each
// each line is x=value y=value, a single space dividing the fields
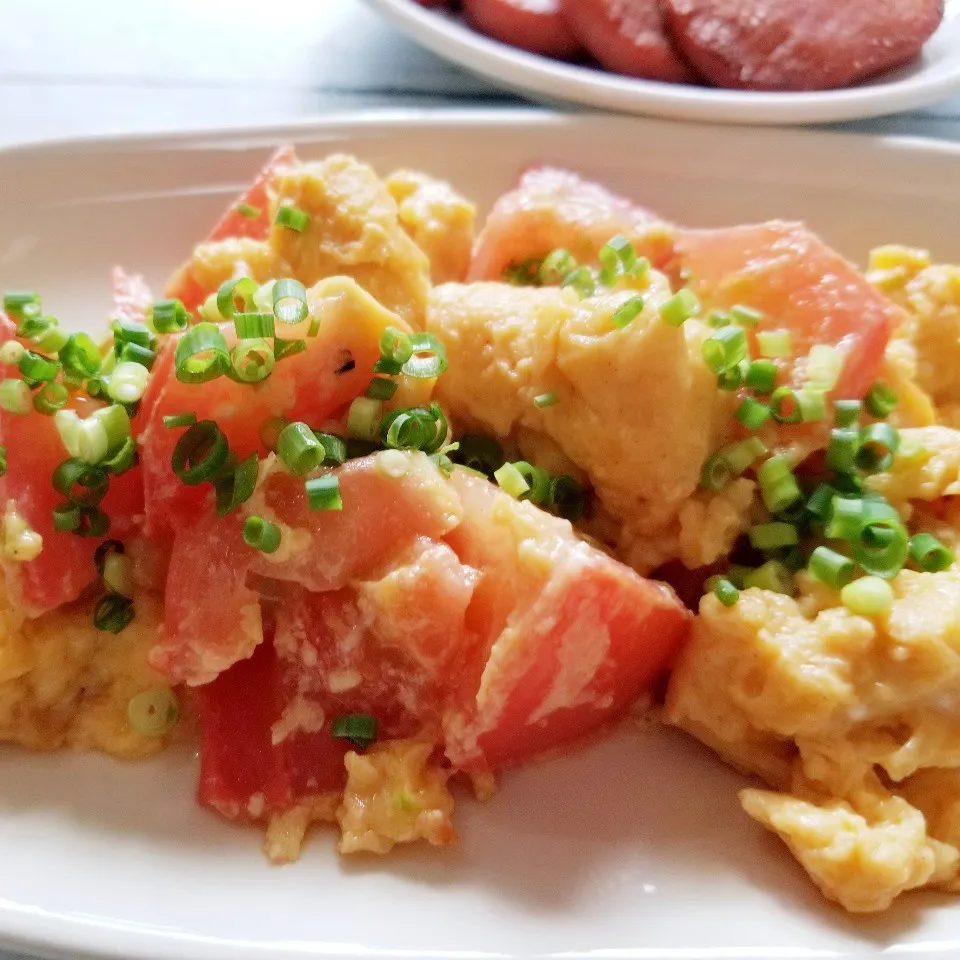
x=526 y=74
x=57 y=936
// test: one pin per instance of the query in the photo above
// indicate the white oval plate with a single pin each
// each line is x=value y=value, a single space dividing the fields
x=933 y=76
x=633 y=848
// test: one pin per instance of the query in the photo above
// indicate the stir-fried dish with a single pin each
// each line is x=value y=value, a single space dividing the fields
x=366 y=503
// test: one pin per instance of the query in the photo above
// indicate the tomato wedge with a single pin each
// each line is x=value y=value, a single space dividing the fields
x=799 y=284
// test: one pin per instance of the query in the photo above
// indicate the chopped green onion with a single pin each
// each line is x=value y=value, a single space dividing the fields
x=128 y=382
x=820 y=502
x=429 y=358
x=480 y=454
x=555 y=267
x=359 y=728
x=134 y=353
x=878 y=446
x=772 y=536
x=743 y=453
x=716 y=473
x=511 y=481
x=774 y=343
x=250 y=326
x=94 y=523
x=881 y=400
x=52 y=339
x=842 y=449
x=248 y=210
x=363 y=418
x=3 y=461
x=725 y=349
x=929 y=554
x=524 y=274
x=620 y=253
x=201 y=354
x=117 y=574
x=718 y=318
x=824 y=366
x=536 y=479
x=868 y=597
x=66 y=517
x=846 y=413
x=680 y=307
x=105 y=549
x=418 y=428
x=543 y=400
x=236 y=296
x=323 y=493
x=745 y=316
x=628 y=311
x=334 y=449
x=293 y=218
x=567 y=499
x=123 y=459
x=846 y=518
x=299 y=449
x=37 y=368
x=731 y=379
x=881 y=548
x=131 y=331
x=200 y=453
x=237 y=486
x=15 y=302
x=582 y=281
x=831 y=568
x=81 y=483
x=289 y=301
x=209 y=310
x=50 y=398
x=396 y=345
x=261 y=534
x=287 y=348
x=251 y=361
x=752 y=414
x=725 y=591
x=785 y=405
x=381 y=388
x=778 y=486
x=169 y=316
x=12 y=351
x=773 y=576
x=32 y=325
x=180 y=420
x=761 y=376
x=113 y=613
x=812 y=403
x=15 y=397
x=153 y=712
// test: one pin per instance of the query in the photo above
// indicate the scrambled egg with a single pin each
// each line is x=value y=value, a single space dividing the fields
x=63 y=683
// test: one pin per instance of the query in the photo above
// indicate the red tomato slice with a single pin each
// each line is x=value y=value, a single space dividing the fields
x=554 y=208
x=572 y=637
x=233 y=223
x=212 y=618
x=335 y=368
x=798 y=283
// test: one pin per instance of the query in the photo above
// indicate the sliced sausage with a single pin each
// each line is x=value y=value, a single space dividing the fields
x=627 y=36
x=798 y=44
x=533 y=25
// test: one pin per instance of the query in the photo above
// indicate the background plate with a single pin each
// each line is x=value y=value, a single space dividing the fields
x=631 y=849
x=933 y=76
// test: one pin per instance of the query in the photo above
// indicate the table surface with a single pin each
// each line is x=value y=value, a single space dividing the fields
x=111 y=66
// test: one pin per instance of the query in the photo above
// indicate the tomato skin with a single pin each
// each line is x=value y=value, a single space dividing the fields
x=798 y=283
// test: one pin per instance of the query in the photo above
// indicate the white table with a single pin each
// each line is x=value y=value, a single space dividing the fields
x=73 y=68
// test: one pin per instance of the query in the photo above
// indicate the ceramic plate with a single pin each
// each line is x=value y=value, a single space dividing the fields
x=631 y=848
x=933 y=76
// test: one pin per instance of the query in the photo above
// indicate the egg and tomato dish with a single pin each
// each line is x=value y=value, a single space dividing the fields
x=366 y=502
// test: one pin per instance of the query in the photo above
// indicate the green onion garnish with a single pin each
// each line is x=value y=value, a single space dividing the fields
x=128 y=382
x=180 y=420
x=480 y=454
x=359 y=728
x=846 y=412
x=868 y=596
x=842 y=449
x=627 y=311
x=261 y=534
x=37 y=368
x=725 y=348
x=3 y=461
x=773 y=576
x=381 y=388
x=52 y=339
x=66 y=517
x=774 y=343
x=582 y=281
x=334 y=448
x=429 y=357
x=250 y=326
x=236 y=296
x=830 y=567
x=106 y=549
x=323 y=493
x=542 y=400
x=616 y=256
x=12 y=351
x=134 y=353
x=567 y=499
x=511 y=481
x=725 y=591
x=94 y=523
x=680 y=307
x=418 y=428
x=752 y=414
x=812 y=403
x=289 y=301
x=881 y=548
x=743 y=453
x=113 y=613
x=929 y=554
x=287 y=348
x=716 y=473
x=785 y=405
x=555 y=267
x=719 y=318
x=745 y=316
x=169 y=316
x=32 y=325
x=293 y=218
x=15 y=397
x=251 y=361
x=881 y=400
x=153 y=712
x=81 y=483
x=237 y=486
x=122 y=459
x=50 y=398
x=820 y=503
x=536 y=479
x=299 y=449
x=523 y=274
x=248 y=210
x=200 y=453
x=731 y=379
x=396 y=346
x=80 y=356
x=824 y=366
x=878 y=447
x=201 y=354
x=772 y=536
x=761 y=376
x=778 y=486
x=363 y=418
x=15 y=302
